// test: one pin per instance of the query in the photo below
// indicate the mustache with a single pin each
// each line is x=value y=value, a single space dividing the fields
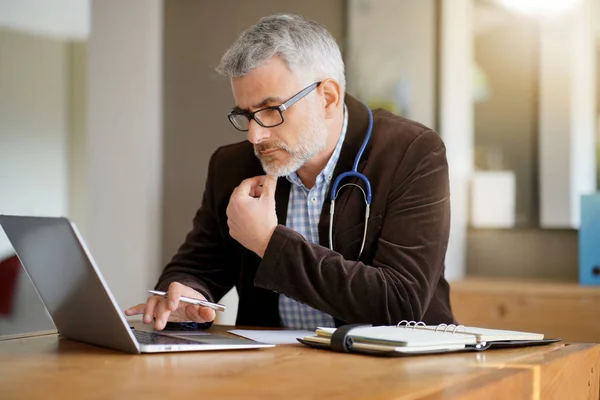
x=264 y=146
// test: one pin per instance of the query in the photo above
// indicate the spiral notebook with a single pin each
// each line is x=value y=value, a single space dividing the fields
x=409 y=337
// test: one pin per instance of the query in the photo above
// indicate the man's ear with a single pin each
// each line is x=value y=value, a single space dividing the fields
x=332 y=93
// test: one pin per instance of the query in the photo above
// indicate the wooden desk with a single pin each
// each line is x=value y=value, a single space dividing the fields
x=52 y=367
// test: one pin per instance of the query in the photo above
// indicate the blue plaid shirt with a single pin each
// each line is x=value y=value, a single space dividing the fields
x=304 y=211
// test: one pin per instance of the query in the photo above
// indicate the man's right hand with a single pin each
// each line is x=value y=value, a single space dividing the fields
x=163 y=309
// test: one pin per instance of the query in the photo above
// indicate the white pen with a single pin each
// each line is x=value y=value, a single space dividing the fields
x=198 y=302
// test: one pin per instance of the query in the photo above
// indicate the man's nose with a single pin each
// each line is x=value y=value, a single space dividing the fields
x=257 y=133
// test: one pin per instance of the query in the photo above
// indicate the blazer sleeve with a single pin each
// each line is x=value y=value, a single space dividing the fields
x=202 y=261
x=407 y=265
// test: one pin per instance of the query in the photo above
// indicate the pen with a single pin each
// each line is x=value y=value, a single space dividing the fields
x=198 y=302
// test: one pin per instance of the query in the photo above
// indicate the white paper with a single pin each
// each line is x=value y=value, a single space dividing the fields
x=272 y=336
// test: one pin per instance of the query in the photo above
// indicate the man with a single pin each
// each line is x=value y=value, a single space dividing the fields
x=269 y=237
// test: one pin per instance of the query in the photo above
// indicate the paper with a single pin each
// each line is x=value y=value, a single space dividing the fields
x=272 y=336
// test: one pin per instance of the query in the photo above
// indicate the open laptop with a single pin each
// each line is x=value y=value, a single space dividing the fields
x=73 y=290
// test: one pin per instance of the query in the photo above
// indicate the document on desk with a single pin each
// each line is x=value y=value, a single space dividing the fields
x=281 y=336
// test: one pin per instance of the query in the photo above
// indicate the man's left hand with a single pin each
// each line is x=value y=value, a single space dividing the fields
x=251 y=213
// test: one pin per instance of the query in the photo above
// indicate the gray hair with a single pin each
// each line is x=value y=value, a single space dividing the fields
x=307 y=48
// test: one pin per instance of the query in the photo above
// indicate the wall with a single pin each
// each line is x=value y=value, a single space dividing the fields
x=33 y=126
x=33 y=149
x=123 y=145
x=77 y=73
x=196 y=99
x=547 y=254
x=567 y=114
x=456 y=119
x=506 y=122
x=58 y=19
x=508 y=50
x=391 y=56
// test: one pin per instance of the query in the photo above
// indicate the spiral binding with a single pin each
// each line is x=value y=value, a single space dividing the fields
x=452 y=328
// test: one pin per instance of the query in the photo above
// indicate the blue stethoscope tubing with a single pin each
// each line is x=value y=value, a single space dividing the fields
x=354 y=173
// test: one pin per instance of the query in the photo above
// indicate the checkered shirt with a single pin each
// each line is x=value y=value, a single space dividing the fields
x=304 y=211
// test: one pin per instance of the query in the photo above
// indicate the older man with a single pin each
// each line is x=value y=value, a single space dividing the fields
x=271 y=239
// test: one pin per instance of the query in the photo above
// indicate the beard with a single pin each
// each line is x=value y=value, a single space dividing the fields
x=311 y=140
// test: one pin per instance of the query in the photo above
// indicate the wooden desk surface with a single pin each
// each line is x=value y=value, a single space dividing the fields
x=52 y=367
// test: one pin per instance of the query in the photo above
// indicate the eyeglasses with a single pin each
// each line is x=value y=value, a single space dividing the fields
x=267 y=117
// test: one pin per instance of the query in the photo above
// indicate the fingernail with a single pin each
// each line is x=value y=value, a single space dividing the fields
x=147 y=318
x=159 y=322
x=172 y=305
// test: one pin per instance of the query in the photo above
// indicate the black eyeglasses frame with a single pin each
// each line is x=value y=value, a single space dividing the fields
x=281 y=108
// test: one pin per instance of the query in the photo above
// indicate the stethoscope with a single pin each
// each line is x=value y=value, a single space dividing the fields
x=354 y=173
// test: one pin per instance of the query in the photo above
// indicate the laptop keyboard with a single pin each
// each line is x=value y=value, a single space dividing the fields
x=145 y=337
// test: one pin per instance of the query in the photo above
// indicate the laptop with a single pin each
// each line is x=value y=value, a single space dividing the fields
x=80 y=303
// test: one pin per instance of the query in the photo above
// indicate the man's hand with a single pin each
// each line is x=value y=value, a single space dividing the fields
x=251 y=213
x=169 y=308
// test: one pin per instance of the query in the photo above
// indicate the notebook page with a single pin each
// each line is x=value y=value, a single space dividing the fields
x=408 y=349
x=404 y=337
x=490 y=335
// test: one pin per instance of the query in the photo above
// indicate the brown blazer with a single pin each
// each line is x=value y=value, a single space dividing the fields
x=400 y=274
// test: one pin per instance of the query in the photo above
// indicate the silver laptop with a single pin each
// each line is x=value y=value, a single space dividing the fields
x=82 y=307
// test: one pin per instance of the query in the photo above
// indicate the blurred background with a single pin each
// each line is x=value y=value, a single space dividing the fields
x=110 y=110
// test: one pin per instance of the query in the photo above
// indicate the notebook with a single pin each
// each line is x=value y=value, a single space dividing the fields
x=409 y=337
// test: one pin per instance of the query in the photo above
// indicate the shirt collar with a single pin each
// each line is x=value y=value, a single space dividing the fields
x=327 y=173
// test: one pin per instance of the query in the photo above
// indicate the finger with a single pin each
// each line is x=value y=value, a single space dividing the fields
x=269 y=186
x=135 y=310
x=175 y=291
x=199 y=313
x=193 y=294
x=193 y=314
x=257 y=191
x=161 y=315
x=245 y=188
x=150 y=307
x=230 y=206
x=207 y=314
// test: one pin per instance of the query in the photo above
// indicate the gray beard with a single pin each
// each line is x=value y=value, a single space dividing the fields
x=312 y=141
